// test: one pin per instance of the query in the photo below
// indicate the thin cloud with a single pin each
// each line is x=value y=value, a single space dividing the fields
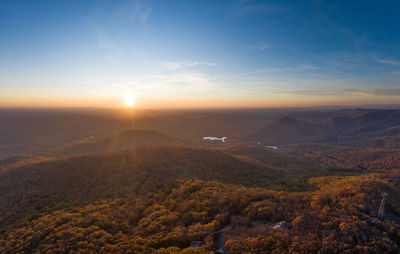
x=245 y=8
x=347 y=92
x=141 y=11
x=375 y=92
x=314 y=92
x=149 y=85
x=105 y=41
x=357 y=92
x=181 y=65
x=391 y=91
x=328 y=13
x=296 y=69
x=261 y=46
x=303 y=67
x=344 y=63
x=388 y=61
x=106 y=14
x=119 y=12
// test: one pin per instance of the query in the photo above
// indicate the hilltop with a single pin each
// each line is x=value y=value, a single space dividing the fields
x=288 y=130
x=43 y=186
x=122 y=140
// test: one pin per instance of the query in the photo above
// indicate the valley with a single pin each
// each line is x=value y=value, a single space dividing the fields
x=114 y=189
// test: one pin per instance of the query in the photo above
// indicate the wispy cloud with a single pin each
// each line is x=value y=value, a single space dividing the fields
x=181 y=65
x=361 y=64
x=105 y=41
x=141 y=10
x=105 y=15
x=155 y=85
x=388 y=61
x=303 y=67
x=373 y=92
x=119 y=12
x=386 y=91
x=175 y=78
x=346 y=92
x=261 y=46
x=248 y=7
x=329 y=14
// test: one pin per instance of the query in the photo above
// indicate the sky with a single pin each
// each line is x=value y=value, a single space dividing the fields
x=190 y=54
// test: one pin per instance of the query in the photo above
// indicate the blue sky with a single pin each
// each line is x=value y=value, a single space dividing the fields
x=199 y=53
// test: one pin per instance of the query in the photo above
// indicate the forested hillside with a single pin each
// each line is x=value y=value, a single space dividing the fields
x=44 y=186
x=338 y=217
x=122 y=140
x=145 y=191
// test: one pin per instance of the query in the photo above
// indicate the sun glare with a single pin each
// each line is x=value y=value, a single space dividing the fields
x=129 y=99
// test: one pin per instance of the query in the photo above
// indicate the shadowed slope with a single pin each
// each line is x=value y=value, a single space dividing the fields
x=54 y=184
x=122 y=140
x=288 y=130
x=18 y=161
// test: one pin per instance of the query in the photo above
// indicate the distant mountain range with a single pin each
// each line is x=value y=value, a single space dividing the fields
x=335 y=126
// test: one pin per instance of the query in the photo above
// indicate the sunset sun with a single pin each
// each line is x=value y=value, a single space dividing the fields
x=129 y=99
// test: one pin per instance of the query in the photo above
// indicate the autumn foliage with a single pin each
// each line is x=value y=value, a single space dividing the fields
x=159 y=200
